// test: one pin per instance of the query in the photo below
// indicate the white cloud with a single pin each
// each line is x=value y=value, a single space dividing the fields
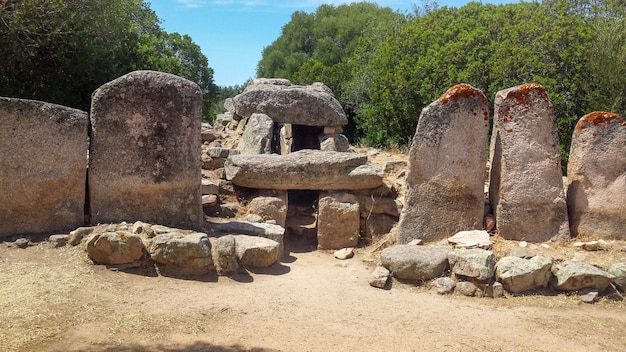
x=192 y=4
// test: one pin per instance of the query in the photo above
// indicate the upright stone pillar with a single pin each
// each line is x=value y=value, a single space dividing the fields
x=144 y=159
x=445 y=182
x=43 y=166
x=526 y=181
x=596 y=175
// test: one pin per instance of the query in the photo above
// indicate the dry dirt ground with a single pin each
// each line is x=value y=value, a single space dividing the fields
x=56 y=300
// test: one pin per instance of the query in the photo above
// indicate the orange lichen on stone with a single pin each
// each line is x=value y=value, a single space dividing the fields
x=599 y=118
x=520 y=93
x=462 y=91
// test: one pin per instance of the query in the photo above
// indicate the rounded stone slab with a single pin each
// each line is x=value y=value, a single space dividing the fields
x=144 y=164
x=596 y=175
x=303 y=170
x=312 y=105
x=573 y=276
x=415 y=262
x=445 y=181
x=519 y=274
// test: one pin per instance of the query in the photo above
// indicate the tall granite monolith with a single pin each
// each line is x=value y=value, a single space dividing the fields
x=526 y=181
x=43 y=162
x=596 y=175
x=445 y=182
x=144 y=158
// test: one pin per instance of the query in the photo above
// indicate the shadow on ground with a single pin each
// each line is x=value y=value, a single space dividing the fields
x=193 y=347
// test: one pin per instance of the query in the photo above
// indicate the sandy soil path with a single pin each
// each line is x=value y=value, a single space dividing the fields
x=54 y=300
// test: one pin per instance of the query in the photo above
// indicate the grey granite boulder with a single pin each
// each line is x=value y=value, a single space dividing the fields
x=188 y=254
x=256 y=252
x=257 y=135
x=473 y=263
x=618 y=270
x=416 y=263
x=312 y=105
x=239 y=227
x=119 y=247
x=573 y=276
x=518 y=274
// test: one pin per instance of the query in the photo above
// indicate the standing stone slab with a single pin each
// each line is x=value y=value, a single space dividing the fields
x=43 y=163
x=338 y=220
x=446 y=167
x=144 y=159
x=596 y=174
x=526 y=182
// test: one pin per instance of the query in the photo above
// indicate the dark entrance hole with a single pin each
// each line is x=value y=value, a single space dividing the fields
x=301 y=223
x=306 y=137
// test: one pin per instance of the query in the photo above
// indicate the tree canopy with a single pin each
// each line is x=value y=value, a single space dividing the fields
x=60 y=51
x=385 y=67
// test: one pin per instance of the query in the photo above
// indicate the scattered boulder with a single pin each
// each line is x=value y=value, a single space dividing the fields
x=335 y=143
x=238 y=227
x=446 y=167
x=472 y=263
x=76 y=236
x=337 y=221
x=22 y=242
x=184 y=254
x=518 y=274
x=380 y=277
x=42 y=163
x=618 y=270
x=58 y=240
x=270 y=206
x=444 y=285
x=120 y=247
x=143 y=156
x=465 y=288
x=256 y=252
x=573 y=276
x=589 y=295
x=525 y=182
x=495 y=290
x=471 y=239
x=303 y=170
x=415 y=263
x=344 y=253
x=596 y=174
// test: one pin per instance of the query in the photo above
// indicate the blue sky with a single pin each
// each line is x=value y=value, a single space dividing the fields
x=233 y=33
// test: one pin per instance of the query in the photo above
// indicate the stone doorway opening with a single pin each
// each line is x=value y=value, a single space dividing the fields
x=301 y=222
x=288 y=138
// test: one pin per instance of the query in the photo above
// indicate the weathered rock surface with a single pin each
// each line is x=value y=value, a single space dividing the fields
x=446 y=167
x=474 y=263
x=42 y=167
x=265 y=230
x=224 y=254
x=344 y=253
x=77 y=236
x=57 y=241
x=257 y=136
x=377 y=225
x=573 y=276
x=338 y=220
x=379 y=205
x=270 y=205
x=380 y=277
x=444 y=285
x=312 y=105
x=118 y=247
x=188 y=254
x=596 y=175
x=257 y=252
x=618 y=270
x=145 y=140
x=303 y=170
x=335 y=143
x=518 y=274
x=416 y=263
x=526 y=183
x=471 y=239
x=465 y=288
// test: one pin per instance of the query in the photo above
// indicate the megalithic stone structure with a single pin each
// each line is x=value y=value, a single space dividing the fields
x=526 y=181
x=445 y=182
x=596 y=175
x=144 y=158
x=43 y=163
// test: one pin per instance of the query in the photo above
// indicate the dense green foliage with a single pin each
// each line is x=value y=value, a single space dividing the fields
x=389 y=66
x=60 y=51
